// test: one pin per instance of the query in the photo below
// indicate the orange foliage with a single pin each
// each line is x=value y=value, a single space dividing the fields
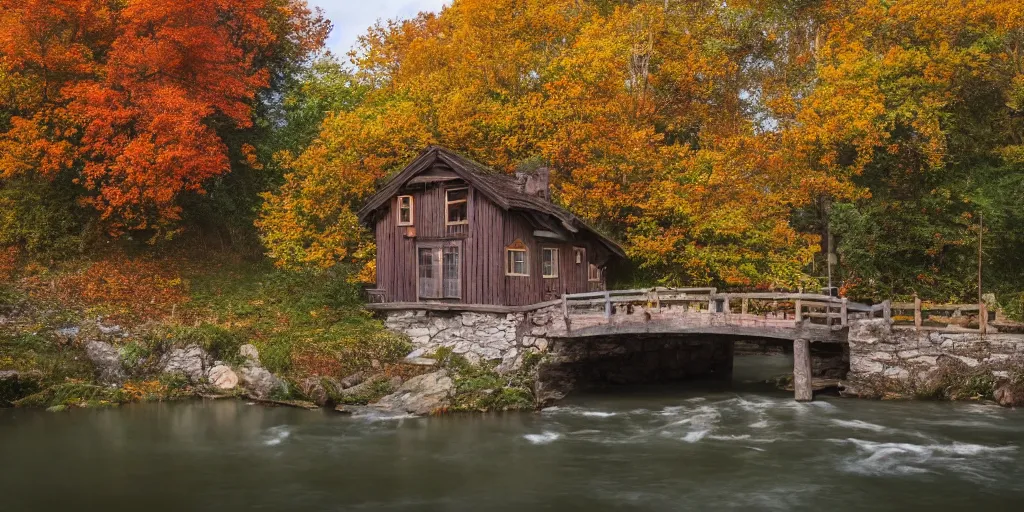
x=8 y=263
x=129 y=94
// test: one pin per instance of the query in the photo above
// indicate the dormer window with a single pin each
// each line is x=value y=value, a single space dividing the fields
x=405 y=210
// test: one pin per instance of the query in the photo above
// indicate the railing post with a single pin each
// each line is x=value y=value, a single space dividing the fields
x=745 y=306
x=918 y=317
x=712 y=304
x=565 y=313
x=657 y=299
x=725 y=305
x=799 y=310
x=844 y=314
x=983 y=317
x=607 y=304
x=887 y=310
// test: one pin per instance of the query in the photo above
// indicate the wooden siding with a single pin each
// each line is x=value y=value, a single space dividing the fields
x=491 y=230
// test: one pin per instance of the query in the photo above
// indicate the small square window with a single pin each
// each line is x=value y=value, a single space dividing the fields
x=516 y=263
x=549 y=262
x=594 y=273
x=405 y=210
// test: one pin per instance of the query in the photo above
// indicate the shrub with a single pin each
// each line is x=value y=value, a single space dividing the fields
x=481 y=388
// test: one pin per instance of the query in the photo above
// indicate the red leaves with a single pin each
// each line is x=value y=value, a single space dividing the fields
x=146 y=81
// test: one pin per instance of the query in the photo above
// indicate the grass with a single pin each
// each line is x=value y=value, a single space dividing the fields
x=304 y=324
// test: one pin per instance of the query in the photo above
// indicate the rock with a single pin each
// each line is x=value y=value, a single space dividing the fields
x=250 y=353
x=110 y=330
x=190 y=362
x=353 y=380
x=223 y=377
x=259 y=381
x=363 y=388
x=107 y=361
x=421 y=395
x=420 y=361
x=67 y=333
x=313 y=387
x=1009 y=395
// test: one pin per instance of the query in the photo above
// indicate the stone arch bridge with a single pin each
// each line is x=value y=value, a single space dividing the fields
x=652 y=325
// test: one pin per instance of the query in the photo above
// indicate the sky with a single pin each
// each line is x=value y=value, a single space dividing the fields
x=352 y=17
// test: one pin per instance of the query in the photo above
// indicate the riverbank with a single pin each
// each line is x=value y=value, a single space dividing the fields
x=127 y=328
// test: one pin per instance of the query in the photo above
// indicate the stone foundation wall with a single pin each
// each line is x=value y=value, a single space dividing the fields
x=877 y=351
x=475 y=336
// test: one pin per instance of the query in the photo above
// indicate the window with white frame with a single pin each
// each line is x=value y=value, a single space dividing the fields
x=549 y=262
x=456 y=206
x=440 y=271
x=405 y=210
x=516 y=261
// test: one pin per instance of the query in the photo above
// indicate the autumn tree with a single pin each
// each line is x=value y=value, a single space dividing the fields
x=130 y=102
x=918 y=103
x=639 y=110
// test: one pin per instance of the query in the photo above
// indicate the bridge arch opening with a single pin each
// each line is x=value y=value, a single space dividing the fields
x=608 y=363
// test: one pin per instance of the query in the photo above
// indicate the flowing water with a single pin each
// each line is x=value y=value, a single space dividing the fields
x=731 y=447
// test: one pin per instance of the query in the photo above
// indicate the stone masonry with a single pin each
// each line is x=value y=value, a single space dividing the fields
x=475 y=336
x=877 y=350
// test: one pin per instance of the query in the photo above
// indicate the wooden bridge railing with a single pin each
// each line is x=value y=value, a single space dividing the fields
x=948 y=317
x=798 y=307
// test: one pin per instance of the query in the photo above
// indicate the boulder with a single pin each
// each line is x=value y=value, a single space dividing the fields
x=363 y=388
x=420 y=395
x=107 y=361
x=1009 y=395
x=191 y=362
x=316 y=389
x=259 y=381
x=250 y=353
x=353 y=380
x=223 y=377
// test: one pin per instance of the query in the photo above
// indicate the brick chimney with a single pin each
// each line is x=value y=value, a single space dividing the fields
x=536 y=182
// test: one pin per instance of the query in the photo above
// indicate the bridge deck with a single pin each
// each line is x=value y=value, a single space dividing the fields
x=673 y=321
x=791 y=316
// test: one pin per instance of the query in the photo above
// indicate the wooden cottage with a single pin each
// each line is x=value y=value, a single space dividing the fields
x=451 y=230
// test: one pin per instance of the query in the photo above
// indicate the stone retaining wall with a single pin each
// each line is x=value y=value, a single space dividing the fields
x=879 y=351
x=475 y=336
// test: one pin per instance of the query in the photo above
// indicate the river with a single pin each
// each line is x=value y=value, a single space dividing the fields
x=738 y=446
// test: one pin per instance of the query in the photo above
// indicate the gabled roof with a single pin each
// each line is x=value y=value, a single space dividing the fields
x=500 y=188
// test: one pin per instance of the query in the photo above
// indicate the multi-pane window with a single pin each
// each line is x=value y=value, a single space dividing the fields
x=439 y=272
x=450 y=272
x=405 y=212
x=516 y=262
x=594 y=273
x=549 y=262
x=456 y=215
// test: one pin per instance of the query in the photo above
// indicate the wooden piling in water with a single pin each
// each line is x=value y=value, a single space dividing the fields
x=802 y=371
